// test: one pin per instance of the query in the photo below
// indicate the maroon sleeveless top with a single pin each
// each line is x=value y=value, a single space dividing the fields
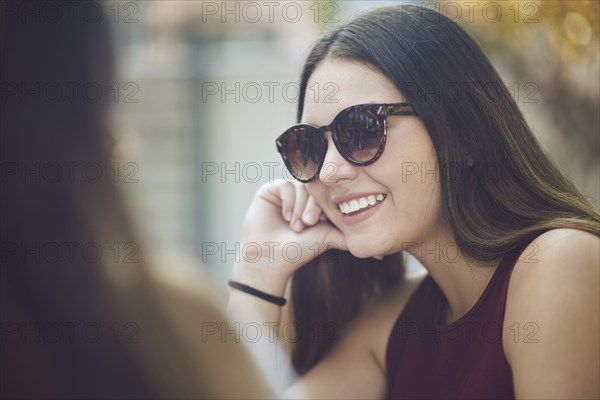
x=465 y=359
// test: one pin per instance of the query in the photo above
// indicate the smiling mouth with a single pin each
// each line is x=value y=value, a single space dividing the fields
x=355 y=206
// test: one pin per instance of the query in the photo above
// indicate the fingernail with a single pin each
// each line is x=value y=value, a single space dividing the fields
x=297 y=225
x=310 y=217
x=288 y=216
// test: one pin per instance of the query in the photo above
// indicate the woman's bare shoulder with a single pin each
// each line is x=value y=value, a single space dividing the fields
x=554 y=253
x=551 y=320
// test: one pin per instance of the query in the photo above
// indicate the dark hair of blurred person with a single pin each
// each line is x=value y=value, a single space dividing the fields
x=76 y=324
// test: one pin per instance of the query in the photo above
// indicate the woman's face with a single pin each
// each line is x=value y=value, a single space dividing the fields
x=406 y=174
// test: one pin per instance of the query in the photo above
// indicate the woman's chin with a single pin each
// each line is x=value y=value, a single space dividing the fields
x=365 y=251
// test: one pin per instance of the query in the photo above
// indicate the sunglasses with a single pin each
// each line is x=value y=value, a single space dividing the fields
x=359 y=134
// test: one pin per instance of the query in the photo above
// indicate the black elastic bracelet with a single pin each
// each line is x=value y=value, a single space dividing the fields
x=280 y=301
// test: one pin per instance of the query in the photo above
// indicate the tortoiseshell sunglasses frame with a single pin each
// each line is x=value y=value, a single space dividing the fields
x=380 y=110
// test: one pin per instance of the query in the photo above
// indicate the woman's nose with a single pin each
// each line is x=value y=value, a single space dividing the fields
x=335 y=167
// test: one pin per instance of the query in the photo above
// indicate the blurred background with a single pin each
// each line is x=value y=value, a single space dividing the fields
x=204 y=88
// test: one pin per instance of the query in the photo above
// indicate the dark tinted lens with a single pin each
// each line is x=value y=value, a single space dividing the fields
x=359 y=134
x=304 y=151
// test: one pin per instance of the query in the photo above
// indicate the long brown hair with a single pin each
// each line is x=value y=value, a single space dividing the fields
x=498 y=186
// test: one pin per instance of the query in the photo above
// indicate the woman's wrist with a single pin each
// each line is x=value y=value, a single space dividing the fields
x=277 y=300
x=261 y=277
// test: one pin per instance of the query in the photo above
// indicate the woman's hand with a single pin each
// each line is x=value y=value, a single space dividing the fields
x=284 y=229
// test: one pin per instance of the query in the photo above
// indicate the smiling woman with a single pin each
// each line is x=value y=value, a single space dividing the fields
x=414 y=204
x=505 y=238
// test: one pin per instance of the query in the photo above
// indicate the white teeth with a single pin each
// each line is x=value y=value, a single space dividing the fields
x=357 y=204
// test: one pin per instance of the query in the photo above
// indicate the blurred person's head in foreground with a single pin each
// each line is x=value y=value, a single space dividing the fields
x=83 y=314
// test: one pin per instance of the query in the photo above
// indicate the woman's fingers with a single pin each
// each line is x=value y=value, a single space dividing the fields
x=301 y=198
x=312 y=212
x=287 y=193
x=297 y=207
x=271 y=217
